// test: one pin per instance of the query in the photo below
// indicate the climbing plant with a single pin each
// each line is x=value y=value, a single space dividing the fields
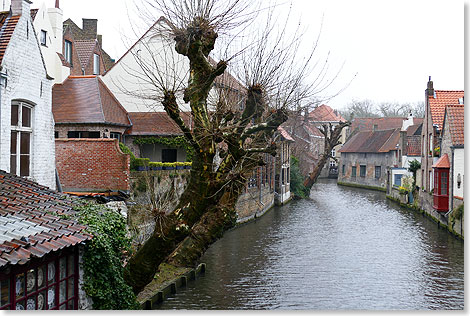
x=172 y=142
x=103 y=256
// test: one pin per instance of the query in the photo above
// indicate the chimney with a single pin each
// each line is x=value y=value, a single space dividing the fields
x=90 y=28
x=430 y=89
x=100 y=40
x=18 y=7
x=57 y=4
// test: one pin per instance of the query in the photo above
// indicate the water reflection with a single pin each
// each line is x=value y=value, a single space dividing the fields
x=344 y=249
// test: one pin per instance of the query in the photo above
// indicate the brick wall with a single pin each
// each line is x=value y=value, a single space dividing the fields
x=88 y=164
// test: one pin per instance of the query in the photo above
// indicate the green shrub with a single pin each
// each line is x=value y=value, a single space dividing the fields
x=297 y=180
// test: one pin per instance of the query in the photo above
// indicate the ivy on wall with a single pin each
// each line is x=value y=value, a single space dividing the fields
x=102 y=259
x=172 y=142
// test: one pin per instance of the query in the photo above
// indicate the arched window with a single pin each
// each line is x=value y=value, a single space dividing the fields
x=21 y=137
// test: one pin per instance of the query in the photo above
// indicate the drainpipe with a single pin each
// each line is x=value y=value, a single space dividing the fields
x=451 y=193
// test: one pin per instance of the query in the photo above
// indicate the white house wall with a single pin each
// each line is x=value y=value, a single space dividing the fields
x=50 y=20
x=26 y=71
x=459 y=165
x=127 y=77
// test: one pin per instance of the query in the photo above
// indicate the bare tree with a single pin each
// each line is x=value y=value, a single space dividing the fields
x=232 y=127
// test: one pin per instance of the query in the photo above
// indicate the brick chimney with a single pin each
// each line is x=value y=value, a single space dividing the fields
x=430 y=88
x=18 y=7
x=90 y=28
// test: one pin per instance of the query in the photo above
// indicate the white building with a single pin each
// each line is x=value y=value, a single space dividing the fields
x=26 y=122
x=49 y=29
x=151 y=63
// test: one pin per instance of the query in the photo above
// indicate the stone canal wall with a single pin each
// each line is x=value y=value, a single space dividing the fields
x=453 y=221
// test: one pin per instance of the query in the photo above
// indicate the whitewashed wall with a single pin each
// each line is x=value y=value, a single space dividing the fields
x=26 y=74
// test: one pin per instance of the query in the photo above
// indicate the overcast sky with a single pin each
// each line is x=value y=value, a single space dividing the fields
x=393 y=46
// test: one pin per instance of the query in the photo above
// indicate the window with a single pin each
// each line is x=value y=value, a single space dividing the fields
x=68 y=51
x=362 y=171
x=49 y=284
x=397 y=179
x=169 y=155
x=332 y=163
x=84 y=134
x=444 y=183
x=115 y=135
x=343 y=170
x=43 y=37
x=96 y=64
x=20 y=144
x=288 y=174
x=56 y=134
x=353 y=172
x=333 y=153
x=378 y=172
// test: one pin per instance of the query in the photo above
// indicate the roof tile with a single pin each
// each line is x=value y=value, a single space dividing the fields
x=439 y=101
x=28 y=226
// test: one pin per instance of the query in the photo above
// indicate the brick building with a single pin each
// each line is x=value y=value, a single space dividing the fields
x=435 y=103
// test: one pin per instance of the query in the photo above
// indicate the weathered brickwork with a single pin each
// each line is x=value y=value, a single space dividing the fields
x=88 y=164
x=27 y=81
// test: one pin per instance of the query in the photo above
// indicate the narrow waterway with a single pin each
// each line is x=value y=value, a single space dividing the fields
x=346 y=248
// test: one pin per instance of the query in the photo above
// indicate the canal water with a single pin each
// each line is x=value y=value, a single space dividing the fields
x=346 y=248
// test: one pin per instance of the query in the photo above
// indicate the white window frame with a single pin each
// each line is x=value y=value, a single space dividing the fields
x=68 y=51
x=22 y=129
x=96 y=64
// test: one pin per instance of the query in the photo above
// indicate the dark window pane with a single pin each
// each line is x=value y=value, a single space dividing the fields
x=24 y=165
x=41 y=276
x=5 y=292
x=20 y=305
x=62 y=287
x=51 y=299
x=50 y=272
x=70 y=304
x=71 y=288
x=26 y=117
x=70 y=265
x=24 y=145
x=31 y=281
x=13 y=164
x=19 y=285
x=42 y=300
x=73 y=134
x=169 y=155
x=14 y=139
x=14 y=114
x=92 y=135
x=31 y=303
x=62 y=267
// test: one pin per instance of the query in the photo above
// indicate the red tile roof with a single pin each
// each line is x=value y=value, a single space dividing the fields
x=30 y=222
x=442 y=162
x=324 y=113
x=438 y=104
x=86 y=99
x=455 y=115
x=7 y=27
x=156 y=123
x=372 y=142
x=285 y=134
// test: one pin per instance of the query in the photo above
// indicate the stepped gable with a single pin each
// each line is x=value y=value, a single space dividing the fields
x=31 y=225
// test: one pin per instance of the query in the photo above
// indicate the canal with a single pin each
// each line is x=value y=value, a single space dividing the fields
x=346 y=248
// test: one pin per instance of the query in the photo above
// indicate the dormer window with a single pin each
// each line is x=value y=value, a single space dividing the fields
x=68 y=51
x=43 y=37
x=96 y=64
